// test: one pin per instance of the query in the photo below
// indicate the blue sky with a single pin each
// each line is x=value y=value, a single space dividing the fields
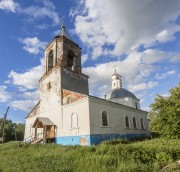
x=141 y=39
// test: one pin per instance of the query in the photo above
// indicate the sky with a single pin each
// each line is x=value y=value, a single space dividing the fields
x=140 y=39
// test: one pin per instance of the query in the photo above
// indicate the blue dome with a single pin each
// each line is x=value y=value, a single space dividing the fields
x=119 y=93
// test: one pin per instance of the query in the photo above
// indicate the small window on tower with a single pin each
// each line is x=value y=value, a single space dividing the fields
x=48 y=85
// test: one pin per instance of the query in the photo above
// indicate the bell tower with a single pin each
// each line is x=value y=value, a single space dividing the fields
x=63 y=51
x=63 y=79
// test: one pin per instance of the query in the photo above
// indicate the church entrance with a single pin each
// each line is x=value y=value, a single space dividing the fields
x=44 y=130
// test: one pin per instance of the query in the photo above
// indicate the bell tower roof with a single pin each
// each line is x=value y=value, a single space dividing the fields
x=63 y=32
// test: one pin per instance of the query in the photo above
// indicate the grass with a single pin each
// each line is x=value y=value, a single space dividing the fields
x=110 y=156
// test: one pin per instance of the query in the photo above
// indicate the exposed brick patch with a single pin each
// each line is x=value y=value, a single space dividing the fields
x=70 y=96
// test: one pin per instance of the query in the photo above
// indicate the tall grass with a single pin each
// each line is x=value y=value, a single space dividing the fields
x=120 y=156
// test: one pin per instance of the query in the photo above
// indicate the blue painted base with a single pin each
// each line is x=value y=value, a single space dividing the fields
x=93 y=139
x=73 y=140
x=98 y=138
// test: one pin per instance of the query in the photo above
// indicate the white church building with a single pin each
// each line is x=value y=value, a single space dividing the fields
x=66 y=114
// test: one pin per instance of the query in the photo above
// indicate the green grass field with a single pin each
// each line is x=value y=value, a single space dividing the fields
x=114 y=156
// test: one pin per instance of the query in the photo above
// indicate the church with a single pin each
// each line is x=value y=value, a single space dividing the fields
x=66 y=114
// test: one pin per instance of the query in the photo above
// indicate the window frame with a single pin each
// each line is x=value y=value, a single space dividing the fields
x=77 y=122
x=50 y=56
x=142 y=124
x=134 y=122
x=107 y=119
x=126 y=117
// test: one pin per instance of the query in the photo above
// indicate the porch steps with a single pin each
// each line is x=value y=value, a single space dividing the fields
x=36 y=141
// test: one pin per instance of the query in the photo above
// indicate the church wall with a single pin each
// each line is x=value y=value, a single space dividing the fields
x=50 y=91
x=30 y=120
x=128 y=101
x=29 y=131
x=75 y=131
x=74 y=82
x=116 y=121
x=50 y=97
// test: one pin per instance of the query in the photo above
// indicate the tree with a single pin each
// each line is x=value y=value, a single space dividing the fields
x=165 y=114
x=20 y=131
x=10 y=128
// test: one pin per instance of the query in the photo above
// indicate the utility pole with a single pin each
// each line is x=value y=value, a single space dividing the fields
x=15 y=132
x=4 y=120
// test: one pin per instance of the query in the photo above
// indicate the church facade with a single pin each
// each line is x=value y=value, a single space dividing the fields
x=66 y=113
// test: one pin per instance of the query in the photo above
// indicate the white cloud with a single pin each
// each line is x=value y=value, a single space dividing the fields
x=27 y=101
x=4 y=95
x=142 y=86
x=137 y=71
x=28 y=79
x=25 y=105
x=9 y=5
x=168 y=34
x=165 y=94
x=31 y=95
x=164 y=75
x=84 y=57
x=33 y=45
x=35 y=12
x=110 y=23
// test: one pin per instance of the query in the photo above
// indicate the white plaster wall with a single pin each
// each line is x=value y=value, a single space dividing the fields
x=128 y=101
x=29 y=131
x=81 y=107
x=116 y=114
x=50 y=99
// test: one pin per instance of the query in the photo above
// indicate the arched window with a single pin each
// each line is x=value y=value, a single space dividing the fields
x=136 y=105
x=50 y=60
x=70 y=59
x=142 y=124
x=104 y=119
x=134 y=122
x=127 y=121
x=74 y=120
